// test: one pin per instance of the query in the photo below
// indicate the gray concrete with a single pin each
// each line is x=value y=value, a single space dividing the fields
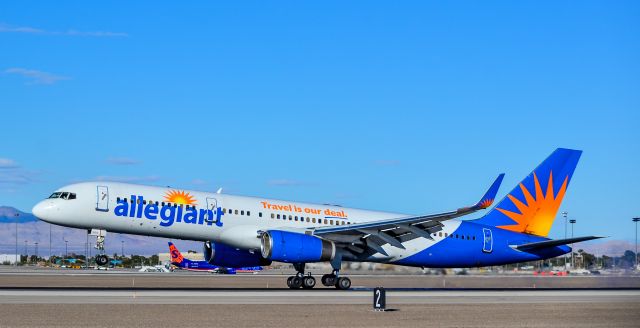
x=326 y=297
x=202 y=280
x=579 y=315
x=58 y=298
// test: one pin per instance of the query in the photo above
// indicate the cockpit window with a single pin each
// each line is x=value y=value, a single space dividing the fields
x=55 y=195
x=63 y=195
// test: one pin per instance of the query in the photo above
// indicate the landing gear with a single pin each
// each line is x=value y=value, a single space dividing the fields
x=342 y=283
x=308 y=281
x=101 y=259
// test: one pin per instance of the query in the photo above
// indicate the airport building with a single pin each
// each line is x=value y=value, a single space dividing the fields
x=8 y=258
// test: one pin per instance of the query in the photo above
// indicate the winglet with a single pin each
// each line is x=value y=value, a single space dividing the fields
x=490 y=195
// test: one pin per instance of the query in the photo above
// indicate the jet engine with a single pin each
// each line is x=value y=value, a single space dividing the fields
x=292 y=247
x=226 y=256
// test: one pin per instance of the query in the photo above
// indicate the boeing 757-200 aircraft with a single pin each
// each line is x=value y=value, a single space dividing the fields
x=240 y=231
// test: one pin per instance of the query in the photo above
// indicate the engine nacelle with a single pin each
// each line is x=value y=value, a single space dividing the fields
x=292 y=247
x=230 y=257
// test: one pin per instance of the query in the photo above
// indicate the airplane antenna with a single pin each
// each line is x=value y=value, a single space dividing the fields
x=219 y=190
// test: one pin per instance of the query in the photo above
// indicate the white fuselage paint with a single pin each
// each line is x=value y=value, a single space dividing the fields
x=237 y=230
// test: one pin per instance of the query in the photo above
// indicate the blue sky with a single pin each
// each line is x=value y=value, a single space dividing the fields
x=411 y=107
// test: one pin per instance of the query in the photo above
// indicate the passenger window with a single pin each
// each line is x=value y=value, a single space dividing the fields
x=440 y=234
x=236 y=212
x=296 y=218
x=144 y=202
x=278 y=216
x=125 y=199
x=118 y=199
x=313 y=220
x=272 y=215
x=325 y=221
x=307 y=219
x=242 y=212
x=290 y=218
x=249 y=213
x=162 y=202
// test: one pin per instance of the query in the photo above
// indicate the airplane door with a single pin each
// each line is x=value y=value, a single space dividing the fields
x=102 y=202
x=487 y=245
x=212 y=204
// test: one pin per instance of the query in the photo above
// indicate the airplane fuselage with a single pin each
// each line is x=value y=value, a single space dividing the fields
x=237 y=221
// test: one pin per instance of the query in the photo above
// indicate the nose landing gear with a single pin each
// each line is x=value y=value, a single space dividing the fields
x=101 y=259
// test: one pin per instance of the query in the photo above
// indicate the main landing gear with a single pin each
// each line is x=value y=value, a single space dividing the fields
x=300 y=280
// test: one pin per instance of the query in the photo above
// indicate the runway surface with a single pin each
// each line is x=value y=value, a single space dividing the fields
x=56 y=298
x=313 y=297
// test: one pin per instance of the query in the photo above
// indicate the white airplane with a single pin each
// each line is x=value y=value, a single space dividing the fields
x=240 y=231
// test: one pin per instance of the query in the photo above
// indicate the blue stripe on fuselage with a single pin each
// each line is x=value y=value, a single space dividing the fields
x=458 y=253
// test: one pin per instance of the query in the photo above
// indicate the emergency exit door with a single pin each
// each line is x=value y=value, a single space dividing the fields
x=487 y=245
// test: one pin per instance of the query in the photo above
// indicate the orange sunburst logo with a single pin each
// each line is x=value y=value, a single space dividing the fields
x=180 y=197
x=537 y=214
x=486 y=203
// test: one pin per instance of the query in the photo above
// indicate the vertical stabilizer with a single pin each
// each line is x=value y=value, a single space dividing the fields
x=532 y=205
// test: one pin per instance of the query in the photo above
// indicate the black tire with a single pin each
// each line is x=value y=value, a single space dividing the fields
x=308 y=282
x=102 y=260
x=343 y=283
x=296 y=282
x=328 y=280
x=289 y=282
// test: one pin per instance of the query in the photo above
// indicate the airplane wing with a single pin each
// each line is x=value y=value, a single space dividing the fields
x=370 y=236
x=553 y=243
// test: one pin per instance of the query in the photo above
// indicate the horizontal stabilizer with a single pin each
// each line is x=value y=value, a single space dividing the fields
x=553 y=243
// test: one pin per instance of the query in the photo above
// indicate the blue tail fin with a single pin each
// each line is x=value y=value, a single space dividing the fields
x=532 y=206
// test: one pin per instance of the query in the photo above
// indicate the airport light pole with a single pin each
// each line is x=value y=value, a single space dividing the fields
x=572 y=221
x=17 y=215
x=50 y=244
x=26 y=252
x=66 y=252
x=122 y=248
x=564 y=214
x=36 y=251
x=636 y=221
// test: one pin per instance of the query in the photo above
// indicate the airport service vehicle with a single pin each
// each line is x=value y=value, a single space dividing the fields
x=240 y=231
x=183 y=263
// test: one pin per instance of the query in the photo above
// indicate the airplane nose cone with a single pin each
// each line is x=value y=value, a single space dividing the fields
x=42 y=209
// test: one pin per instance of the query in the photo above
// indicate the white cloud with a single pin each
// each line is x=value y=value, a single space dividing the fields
x=7 y=163
x=122 y=161
x=36 y=77
x=5 y=28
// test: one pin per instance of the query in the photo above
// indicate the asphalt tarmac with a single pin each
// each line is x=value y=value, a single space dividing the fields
x=58 y=298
